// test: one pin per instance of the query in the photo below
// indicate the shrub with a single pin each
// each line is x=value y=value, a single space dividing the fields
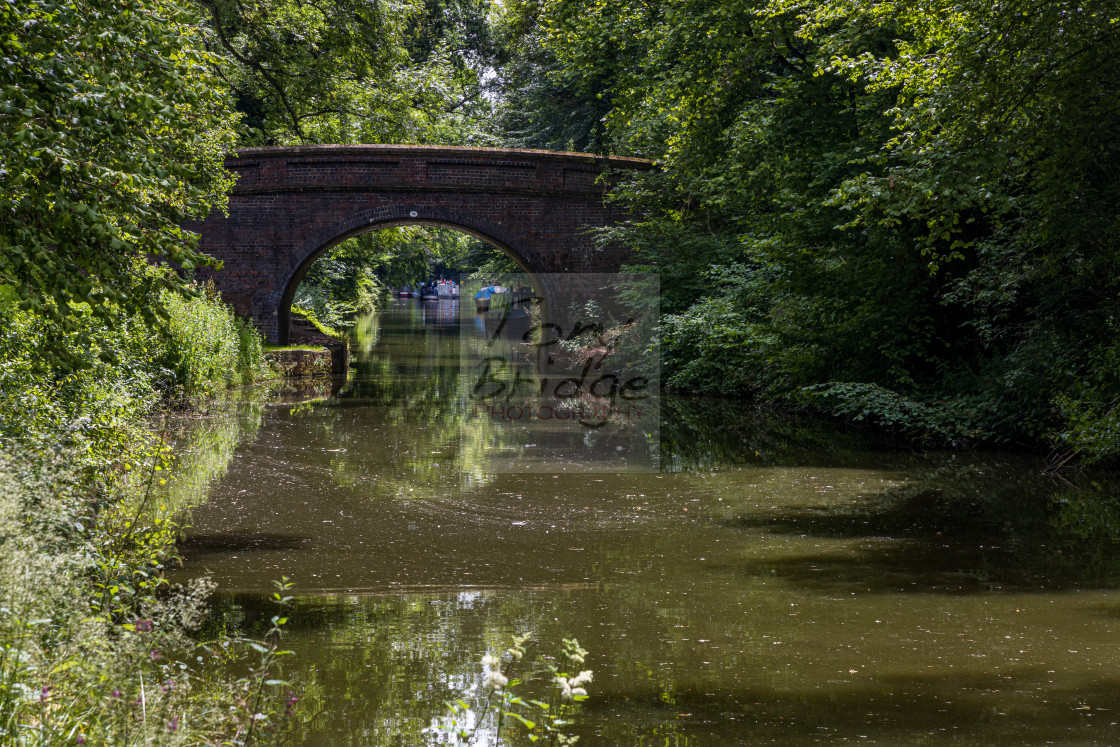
x=93 y=644
x=208 y=347
x=129 y=367
x=88 y=652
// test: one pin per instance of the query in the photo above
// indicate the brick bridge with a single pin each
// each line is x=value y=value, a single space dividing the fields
x=290 y=205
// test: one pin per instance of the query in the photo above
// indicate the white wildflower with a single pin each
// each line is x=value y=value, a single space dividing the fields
x=576 y=691
x=565 y=688
x=495 y=680
x=581 y=679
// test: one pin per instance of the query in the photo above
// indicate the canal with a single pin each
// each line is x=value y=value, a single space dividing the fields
x=774 y=581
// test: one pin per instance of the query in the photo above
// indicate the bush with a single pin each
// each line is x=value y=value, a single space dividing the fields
x=86 y=645
x=95 y=409
x=712 y=349
x=95 y=648
x=128 y=368
x=92 y=642
x=207 y=347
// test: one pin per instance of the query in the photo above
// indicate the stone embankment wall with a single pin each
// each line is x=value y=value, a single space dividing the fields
x=321 y=355
x=295 y=363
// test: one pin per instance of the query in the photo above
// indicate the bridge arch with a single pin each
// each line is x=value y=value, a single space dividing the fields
x=399 y=214
x=292 y=204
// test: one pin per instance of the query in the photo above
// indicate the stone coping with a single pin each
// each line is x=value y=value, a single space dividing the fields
x=282 y=151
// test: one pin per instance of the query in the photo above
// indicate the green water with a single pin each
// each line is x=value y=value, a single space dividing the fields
x=776 y=582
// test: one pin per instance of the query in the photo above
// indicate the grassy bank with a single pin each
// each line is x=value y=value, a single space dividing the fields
x=95 y=646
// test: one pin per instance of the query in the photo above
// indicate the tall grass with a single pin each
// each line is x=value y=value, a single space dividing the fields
x=127 y=369
x=95 y=647
x=73 y=669
x=208 y=347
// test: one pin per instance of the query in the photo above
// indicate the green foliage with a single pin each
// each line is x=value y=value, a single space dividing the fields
x=711 y=350
x=545 y=719
x=95 y=647
x=95 y=409
x=344 y=71
x=891 y=212
x=541 y=103
x=98 y=410
x=259 y=710
x=460 y=27
x=331 y=314
x=114 y=130
x=208 y=348
x=112 y=133
x=354 y=277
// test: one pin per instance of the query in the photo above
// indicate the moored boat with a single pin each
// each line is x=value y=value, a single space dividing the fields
x=482 y=298
x=512 y=323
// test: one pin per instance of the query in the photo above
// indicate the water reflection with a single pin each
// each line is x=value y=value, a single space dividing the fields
x=776 y=582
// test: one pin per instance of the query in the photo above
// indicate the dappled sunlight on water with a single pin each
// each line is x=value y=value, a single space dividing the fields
x=776 y=582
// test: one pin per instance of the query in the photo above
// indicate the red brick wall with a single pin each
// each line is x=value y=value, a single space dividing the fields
x=292 y=204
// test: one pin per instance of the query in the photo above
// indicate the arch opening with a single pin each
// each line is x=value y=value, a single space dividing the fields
x=300 y=273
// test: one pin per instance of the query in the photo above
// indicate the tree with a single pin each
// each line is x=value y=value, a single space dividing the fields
x=112 y=135
x=354 y=276
x=351 y=71
x=541 y=103
x=895 y=212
